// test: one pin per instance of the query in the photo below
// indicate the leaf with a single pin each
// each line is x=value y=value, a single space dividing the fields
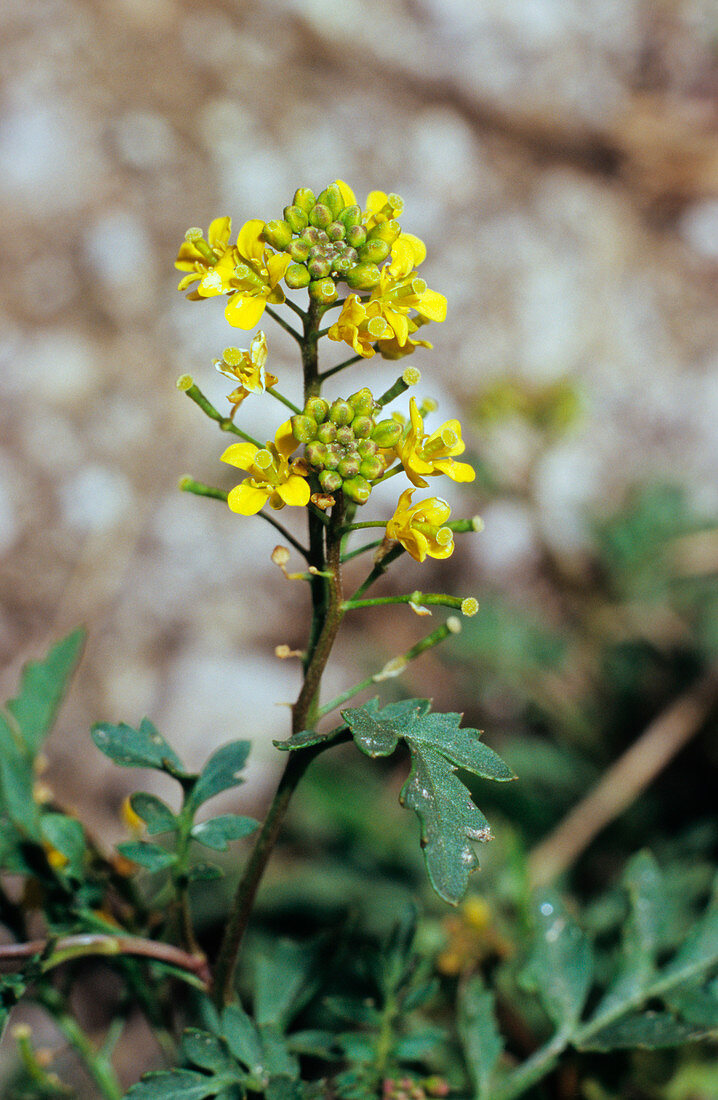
x=561 y=965
x=205 y=872
x=16 y=782
x=206 y=1051
x=696 y=1005
x=152 y=810
x=278 y=1059
x=137 y=748
x=67 y=835
x=700 y=949
x=650 y=1030
x=42 y=687
x=219 y=831
x=220 y=772
x=479 y=1036
x=283 y=981
x=450 y=821
x=242 y=1038
x=317 y=1044
x=417 y=1047
x=305 y=739
x=184 y=1084
x=150 y=856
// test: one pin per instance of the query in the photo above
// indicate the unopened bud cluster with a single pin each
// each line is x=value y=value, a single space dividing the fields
x=344 y=443
x=328 y=242
x=406 y=1088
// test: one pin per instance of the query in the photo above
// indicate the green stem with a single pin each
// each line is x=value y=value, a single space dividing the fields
x=284 y=400
x=283 y=324
x=225 y=422
x=379 y=569
x=188 y=485
x=98 y=1066
x=454 y=602
x=399 y=387
x=361 y=550
x=340 y=366
x=363 y=525
x=297 y=309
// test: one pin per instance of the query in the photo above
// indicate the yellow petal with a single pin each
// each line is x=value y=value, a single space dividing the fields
x=417 y=246
x=400 y=325
x=246 y=499
x=284 y=441
x=348 y=196
x=218 y=232
x=432 y=305
x=249 y=240
x=188 y=280
x=295 y=491
x=375 y=200
x=403 y=256
x=244 y=310
x=240 y=455
x=457 y=471
x=277 y=266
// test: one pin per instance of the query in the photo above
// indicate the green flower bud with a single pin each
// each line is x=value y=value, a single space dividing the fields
x=356 y=236
x=320 y=216
x=362 y=427
x=343 y=264
x=336 y=231
x=372 y=467
x=323 y=290
x=297 y=276
x=278 y=234
x=331 y=196
x=318 y=409
x=364 y=276
x=333 y=457
x=350 y=215
x=304 y=428
x=327 y=433
x=304 y=198
x=374 y=252
x=319 y=267
x=310 y=235
x=341 y=412
x=387 y=433
x=299 y=250
x=385 y=231
x=357 y=489
x=345 y=435
x=362 y=401
x=330 y=481
x=315 y=453
x=296 y=218
x=349 y=466
x=367 y=447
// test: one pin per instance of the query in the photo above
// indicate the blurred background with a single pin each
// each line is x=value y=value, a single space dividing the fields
x=561 y=161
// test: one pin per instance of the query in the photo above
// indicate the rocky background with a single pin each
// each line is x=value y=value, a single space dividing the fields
x=559 y=158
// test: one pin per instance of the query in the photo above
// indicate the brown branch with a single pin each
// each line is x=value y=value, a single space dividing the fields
x=625 y=780
x=70 y=947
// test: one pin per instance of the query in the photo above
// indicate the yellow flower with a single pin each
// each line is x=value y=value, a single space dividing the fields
x=419 y=527
x=360 y=327
x=426 y=456
x=199 y=256
x=272 y=478
x=380 y=207
x=400 y=290
x=248 y=367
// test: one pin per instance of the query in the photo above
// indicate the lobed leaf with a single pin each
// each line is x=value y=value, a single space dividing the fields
x=220 y=773
x=16 y=782
x=207 y=1051
x=560 y=968
x=219 y=831
x=42 y=688
x=137 y=748
x=205 y=872
x=480 y=1036
x=183 y=1084
x=150 y=856
x=650 y=1030
x=157 y=816
x=67 y=836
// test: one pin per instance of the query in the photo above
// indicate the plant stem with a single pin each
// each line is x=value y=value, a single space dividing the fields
x=189 y=485
x=67 y=948
x=97 y=1065
x=225 y=422
x=454 y=602
x=283 y=324
x=379 y=569
x=340 y=366
x=361 y=550
x=283 y=399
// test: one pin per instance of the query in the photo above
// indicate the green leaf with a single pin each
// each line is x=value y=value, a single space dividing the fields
x=696 y=1004
x=137 y=748
x=650 y=1030
x=184 y=1084
x=284 y=981
x=42 y=687
x=317 y=1044
x=419 y=1045
x=205 y=872
x=305 y=739
x=450 y=821
x=156 y=815
x=242 y=1038
x=67 y=835
x=479 y=1036
x=220 y=772
x=150 y=856
x=278 y=1059
x=219 y=831
x=700 y=949
x=16 y=782
x=561 y=965
x=206 y=1051
x=283 y=1088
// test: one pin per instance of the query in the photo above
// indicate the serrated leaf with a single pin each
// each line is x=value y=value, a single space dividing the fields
x=175 y=1084
x=157 y=816
x=137 y=748
x=150 y=856
x=242 y=1038
x=450 y=821
x=480 y=1036
x=67 y=836
x=650 y=1030
x=560 y=968
x=219 y=831
x=642 y=931
x=284 y=980
x=305 y=739
x=220 y=773
x=42 y=687
x=206 y=1051
x=205 y=872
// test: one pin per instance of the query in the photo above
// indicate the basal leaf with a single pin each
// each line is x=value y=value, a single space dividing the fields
x=207 y=1052
x=560 y=968
x=150 y=856
x=137 y=748
x=42 y=688
x=479 y=1036
x=650 y=1030
x=242 y=1038
x=219 y=831
x=152 y=810
x=277 y=1057
x=175 y=1084
x=220 y=773
x=450 y=821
